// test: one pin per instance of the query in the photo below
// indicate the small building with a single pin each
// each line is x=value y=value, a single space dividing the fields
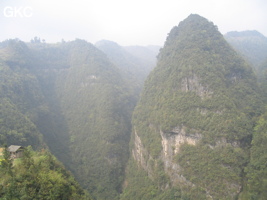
x=15 y=151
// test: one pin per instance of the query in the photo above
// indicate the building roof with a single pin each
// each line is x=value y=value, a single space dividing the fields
x=14 y=148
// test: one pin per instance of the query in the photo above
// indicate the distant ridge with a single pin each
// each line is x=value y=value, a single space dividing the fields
x=252 y=45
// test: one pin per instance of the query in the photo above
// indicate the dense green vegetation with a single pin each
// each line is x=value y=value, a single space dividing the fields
x=97 y=108
x=257 y=169
x=37 y=175
x=230 y=94
x=20 y=97
x=202 y=84
x=76 y=101
x=262 y=79
x=252 y=45
x=139 y=186
x=70 y=98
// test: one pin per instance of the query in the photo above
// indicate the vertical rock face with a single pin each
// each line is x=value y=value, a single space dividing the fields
x=175 y=139
x=171 y=143
x=193 y=84
x=141 y=155
x=139 y=151
x=196 y=114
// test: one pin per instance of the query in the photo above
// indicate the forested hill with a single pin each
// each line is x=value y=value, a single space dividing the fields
x=96 y=105
x=198 y=130
x=37 y=175
x=70 y=98
x=193 y=125
x=252 y=45
x=20 y=96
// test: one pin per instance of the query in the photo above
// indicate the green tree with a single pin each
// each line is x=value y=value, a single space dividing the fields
x=257 y=168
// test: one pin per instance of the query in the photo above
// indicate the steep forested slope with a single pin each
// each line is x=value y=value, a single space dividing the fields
x=22 y=104
x=252 y=45
x=88 y=123
x=20 y=97
x=256 y=171
x=263 y=79
x=70 y=97
x=97 y=108
x=193 y=124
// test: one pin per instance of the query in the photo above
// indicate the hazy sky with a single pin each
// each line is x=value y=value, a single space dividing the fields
x=127 y=22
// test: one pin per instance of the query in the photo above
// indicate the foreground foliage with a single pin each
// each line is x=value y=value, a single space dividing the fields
x=37 y=175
